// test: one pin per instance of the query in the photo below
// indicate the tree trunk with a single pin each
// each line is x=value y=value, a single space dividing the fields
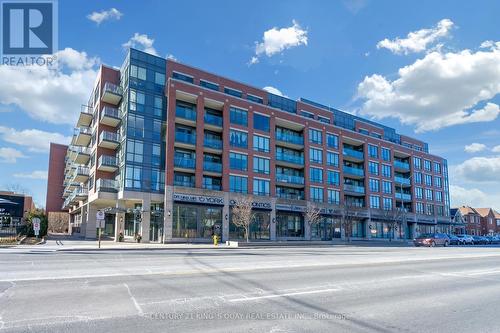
x=246 y=232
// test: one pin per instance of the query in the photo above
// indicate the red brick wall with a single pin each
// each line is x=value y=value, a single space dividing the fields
x=55 y=188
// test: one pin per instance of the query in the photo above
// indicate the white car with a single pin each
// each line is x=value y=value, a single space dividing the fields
x=466 y=239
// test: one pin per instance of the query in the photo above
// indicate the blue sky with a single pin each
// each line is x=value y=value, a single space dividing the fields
x=422 y=82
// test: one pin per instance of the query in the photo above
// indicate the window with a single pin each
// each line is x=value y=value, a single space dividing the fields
x=316 y=175
x=133 y=177
x=427 y=165
x=439 y=210
x=419 y=207
x=439 y=196
x=261 y=165
x=233 y=92
x=238 y=116
x=260 y=187
x=332 y=159
x=437 y=167
x=387 y=187
x=437 y=181
x=255 y=99
x=373 y=168
x=238 y=184
x=307 y=114
x=315 y=136
x=428 y=194
x=158 y=106
x=134 y=151
x=417 y=162
x=386 y=154
x=260 y=143
x=429 y=209
x=238 y=161
x=182 y=77
x=260 y=122
x=238 y=139
x=419 y=193
x=333 y=177
x=135 y=126
x=332 y=140
x=333 y=197
x=428 y=180
x=156 y=156
x=418 y=178
x=315 y=155
x=157 y=180
x=374 y=185
x=138 y=72
x=316 y=194
x=137 y=100
x=324 y=119
x=160 y=78
x=386 y=170
x=387 y=203
x=157 y=130
x=373 y=151
x=209 y=85
x=374 y=201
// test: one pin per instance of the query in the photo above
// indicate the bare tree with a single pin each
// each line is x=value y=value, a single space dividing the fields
x=349 y=215
x=58 y=222
x=242 y=215
x=312 y=215
x=393 y=219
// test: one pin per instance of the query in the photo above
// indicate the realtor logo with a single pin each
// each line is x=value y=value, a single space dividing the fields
x=28 y=28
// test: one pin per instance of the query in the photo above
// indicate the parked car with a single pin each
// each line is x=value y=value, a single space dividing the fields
x=432 y=239
x=466 y=239
x=479 y=240
x=489 y=239
x=495 y=240
x=454 y=240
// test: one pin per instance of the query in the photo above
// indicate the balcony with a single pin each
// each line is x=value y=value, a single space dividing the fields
x=185 y=115
x=212 y=166
x=290 y=140
x=403 y=181
x=184 y=162
x=107 y=163
x=213 y=187
x=86 y=115
x=185 y=138
x=78 y=194
x=213 y=121
x=81 y=174
x=352 y=171
x=111 y=93
x=80 y=155
x=212 y=143
x=289 y=159
x=352 y=155
x=354 y=189
x=109 y=140
x=289 y=179
x=401 y=166
x=82 y=136
x=184 y=183
x=403 y=196
x=110 y=116
x=290 y=196
x=107 y=185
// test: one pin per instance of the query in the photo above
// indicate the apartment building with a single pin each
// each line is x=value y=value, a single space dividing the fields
x=166 y=149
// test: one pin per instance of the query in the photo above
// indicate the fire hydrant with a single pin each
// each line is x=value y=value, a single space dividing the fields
x=216 y=240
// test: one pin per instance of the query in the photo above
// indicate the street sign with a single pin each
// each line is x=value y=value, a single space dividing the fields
x=99 y=215
x=99 y=223
x=36 y=225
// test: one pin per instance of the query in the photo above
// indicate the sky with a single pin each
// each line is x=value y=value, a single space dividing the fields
x=430 y=69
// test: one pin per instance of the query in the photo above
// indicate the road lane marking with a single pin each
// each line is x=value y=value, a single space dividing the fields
x=132 y=298
x=297 y=293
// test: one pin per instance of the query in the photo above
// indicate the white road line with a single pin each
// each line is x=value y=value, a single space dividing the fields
x=485 y=272
x=285 y=295
x=132 y=298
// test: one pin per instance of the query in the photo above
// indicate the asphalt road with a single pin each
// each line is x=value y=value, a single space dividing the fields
x=325 y=289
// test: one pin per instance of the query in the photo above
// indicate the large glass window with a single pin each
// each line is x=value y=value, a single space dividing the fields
x=260 y=143
x=156 y=156
x=333 y=197
x=427 y=165
x=386 y=171
x=419 y=193
x=372 y=151
x=316 y=175
x=261 y=165
x=133 y=177
x=260 y=187
x=374 y=185
x=238 y=139
x=137 y=100
x=238 y=184
x=373 y=168
x=386 y=154
x=134 y=151
x=289 y=225
x=386 y=187
x=333 y=177
x=332 y=140
x=138 y=72
x=315 y=155
x=316 y=194
x=332 y=159
x=238 y=161
x=428 y=180
x=315 y=136
x=374 y=201
x=238 y=116
x=261 y=122
x=387 y=203
x=259 y=228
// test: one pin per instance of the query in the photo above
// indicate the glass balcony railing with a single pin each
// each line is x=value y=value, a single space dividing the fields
x=83 y=130
x=290 y=196
x=109 y=136
x=403 y=196
x=186 y=113
x=290 y=158
x=353 y=153
x=108 y=111
x=401 y=165
x=212 y=143
x=107 y=185
x=183 y=162
x=212 y=166
x=185 y=138
x=185 y=183
x=112 y=88
x=106 y=160
x=291 y=179
x=354 y=171
x=82 y=171
x=290 y=138
x=402 y=180
x=354 y=188
x=213 y=187
x=81 y=150
x=211 y=119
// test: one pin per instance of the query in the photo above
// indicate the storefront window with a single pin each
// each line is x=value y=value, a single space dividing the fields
x=358 y=229
x=323 y=230
x=190 y=221
x=259 y=228
x=184 y=222
x=290 y=225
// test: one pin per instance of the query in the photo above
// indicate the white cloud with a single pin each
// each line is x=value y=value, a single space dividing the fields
x=437 y=91
x=10 y=155
x=417 y=41
x=277 y=40
x=141 y=42
x=171 y=57
x=273 y=90
x=37 y=174
x=474 y=147
x=50 y=94
x=472 y=196
x=104 y=15
x=478 y=169
x=496 y=149
x=35 y=140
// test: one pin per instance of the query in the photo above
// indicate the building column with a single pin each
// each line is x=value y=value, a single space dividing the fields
x=90 y=227
x=145 y=219
x=272 y=229
x=168 y=214
x=366 y=225
x=119 y=219
x=225 y=218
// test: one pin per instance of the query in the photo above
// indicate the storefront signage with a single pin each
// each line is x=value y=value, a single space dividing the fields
x=291 y=208
x=255 y=204
x=199 y=199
